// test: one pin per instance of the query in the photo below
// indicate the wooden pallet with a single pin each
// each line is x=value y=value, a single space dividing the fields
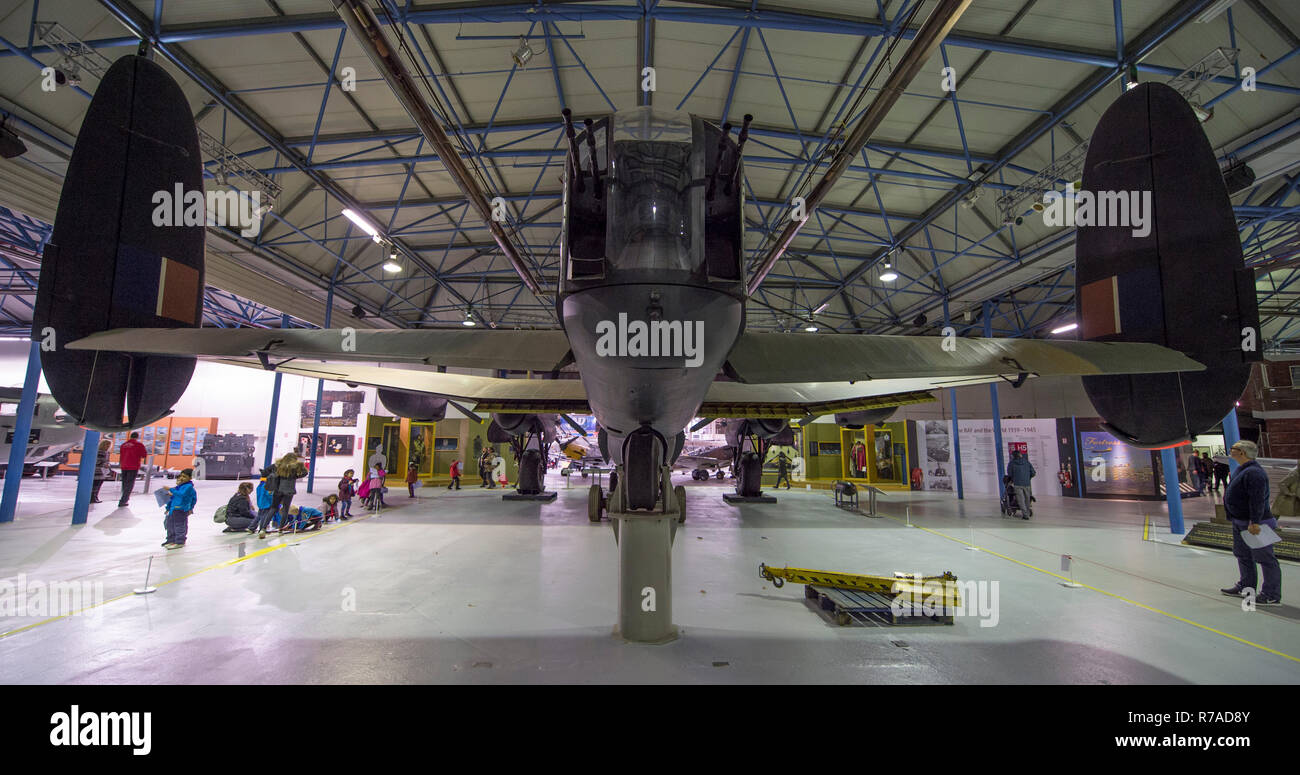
x=847 y=606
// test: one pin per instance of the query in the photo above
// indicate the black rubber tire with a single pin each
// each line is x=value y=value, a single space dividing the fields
x=531 y=472
x=720 y=475
x=641 y=480
x=594 y=506
x=750 y=481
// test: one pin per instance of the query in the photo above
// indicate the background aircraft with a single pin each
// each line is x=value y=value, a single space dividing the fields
x=53 y=431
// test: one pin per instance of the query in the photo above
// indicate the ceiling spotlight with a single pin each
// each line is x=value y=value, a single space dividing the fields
x=358 y=312
x=468 y=322
x=811 y=327
x=392 y=264
x=363 y=224
x=920 y=320
x=1064 y=328
x=889 y=275
x=1132 y=82
x=523 y=53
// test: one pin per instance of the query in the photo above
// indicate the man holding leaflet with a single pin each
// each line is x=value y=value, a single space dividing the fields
x=1246 y=501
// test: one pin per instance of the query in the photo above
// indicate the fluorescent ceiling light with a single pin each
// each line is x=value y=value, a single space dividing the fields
x=822 y=308
x=363 y=224
x=1063 y=329
x=1211 y=13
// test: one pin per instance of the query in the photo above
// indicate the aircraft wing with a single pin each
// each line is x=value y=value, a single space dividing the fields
x=762 y=358
x=886 y=370
x=541 y=350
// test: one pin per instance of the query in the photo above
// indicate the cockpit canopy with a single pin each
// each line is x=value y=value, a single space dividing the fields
x=645 y=214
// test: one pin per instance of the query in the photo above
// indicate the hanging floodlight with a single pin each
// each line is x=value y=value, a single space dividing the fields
x=811 y=327
x=392 y=264
x=889 y=275
x=363 y=224
x=524 y=52
x=1132 y=82
x=468 y=322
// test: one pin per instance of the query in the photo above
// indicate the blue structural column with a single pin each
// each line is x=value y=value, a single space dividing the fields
x=22 y=431
x=85 y=477
x=1231 y=435
x=1079 y=465
x=956 y=444
x=320 y=392
x=1173 y=493
x=275 y=410
x=997 y=415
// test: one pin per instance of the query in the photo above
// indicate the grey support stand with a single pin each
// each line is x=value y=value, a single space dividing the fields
x=645 y=581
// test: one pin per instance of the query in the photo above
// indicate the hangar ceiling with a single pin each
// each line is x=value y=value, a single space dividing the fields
x=267 y=79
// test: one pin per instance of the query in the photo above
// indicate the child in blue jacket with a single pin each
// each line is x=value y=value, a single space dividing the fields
x=264 y=499
x=183 y=500
x=301 y=519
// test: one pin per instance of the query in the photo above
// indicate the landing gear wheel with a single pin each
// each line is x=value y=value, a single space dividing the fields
x=749 y=483
x=679 y=492
x=593 y=503
x=719 y=474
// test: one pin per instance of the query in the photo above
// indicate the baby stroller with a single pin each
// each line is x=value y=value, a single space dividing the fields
x=1011 y=506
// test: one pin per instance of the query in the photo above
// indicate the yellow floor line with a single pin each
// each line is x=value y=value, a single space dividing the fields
x=299 y=537
x=1205 y=627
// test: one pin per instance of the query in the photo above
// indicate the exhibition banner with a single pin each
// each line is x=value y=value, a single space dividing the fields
x=979 y=463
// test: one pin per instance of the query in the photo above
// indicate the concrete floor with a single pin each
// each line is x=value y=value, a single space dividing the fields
x=462 y=587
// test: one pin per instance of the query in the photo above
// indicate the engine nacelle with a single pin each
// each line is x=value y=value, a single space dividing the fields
x=414 y=406
x=1171 y=273
x=505 y=427
x=858 y=420
x=775 y=431
x=110 y=264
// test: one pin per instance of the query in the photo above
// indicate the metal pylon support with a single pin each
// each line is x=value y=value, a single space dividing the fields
x=645 y=563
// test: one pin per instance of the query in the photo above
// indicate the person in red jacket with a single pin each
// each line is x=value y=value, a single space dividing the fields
x=455 y=475
x=129 y=459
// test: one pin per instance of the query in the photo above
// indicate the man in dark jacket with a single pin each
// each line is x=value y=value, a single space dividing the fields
x=129 y=458
x=782 y=471
x=1221 y=471
x=1021 y=472
x=1246 y=501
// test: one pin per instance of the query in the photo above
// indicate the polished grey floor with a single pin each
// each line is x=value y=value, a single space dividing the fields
x=462 y=587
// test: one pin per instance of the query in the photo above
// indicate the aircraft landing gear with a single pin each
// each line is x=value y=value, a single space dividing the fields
x=645 y=510
x=719 y=474
x=595 y=503
x=749 y=477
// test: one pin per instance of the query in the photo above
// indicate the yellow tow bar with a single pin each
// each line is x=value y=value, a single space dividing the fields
x=907 y=584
